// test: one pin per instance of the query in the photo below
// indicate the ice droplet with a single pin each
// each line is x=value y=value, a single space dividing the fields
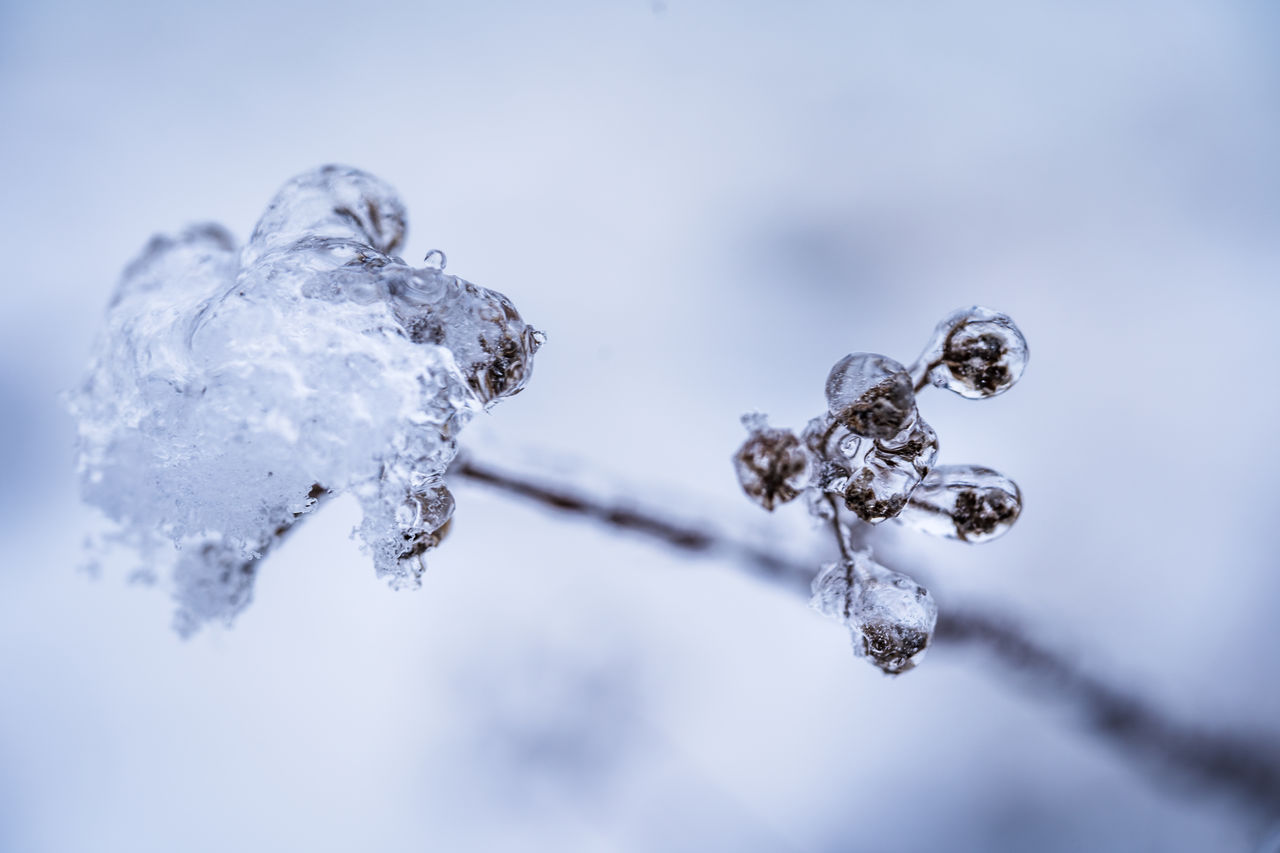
x=439 y=262
x=224 y=389
x=771 y=465
x=974 y=352
x=891 y=617
x=965 y=502
x=870 y=394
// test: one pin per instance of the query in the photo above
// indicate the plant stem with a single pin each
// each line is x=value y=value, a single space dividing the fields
x=1242 y=765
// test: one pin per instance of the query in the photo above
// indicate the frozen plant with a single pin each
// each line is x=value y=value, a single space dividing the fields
x=870 y=458
x=236 y=388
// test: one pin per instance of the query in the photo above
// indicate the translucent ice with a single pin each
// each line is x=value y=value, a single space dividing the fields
x=230 y=386
x=890 y=616
x=965 y=502
x=771 y=464
x=876 y=478
x=870 y=394
x=975 y=352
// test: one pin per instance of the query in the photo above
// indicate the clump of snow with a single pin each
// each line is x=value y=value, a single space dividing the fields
x=234 y=389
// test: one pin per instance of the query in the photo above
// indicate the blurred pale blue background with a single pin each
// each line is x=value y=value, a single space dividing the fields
x=705 y=205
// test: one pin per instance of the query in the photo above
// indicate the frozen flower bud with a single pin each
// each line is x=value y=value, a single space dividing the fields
x=975 y=352
x=890 y=471
x=965 y=502
x=871 y=394
x=423 y=520
x=890 y=616
x=331 y=201
x=771 y=464
x=879 y=490
x=490 y=342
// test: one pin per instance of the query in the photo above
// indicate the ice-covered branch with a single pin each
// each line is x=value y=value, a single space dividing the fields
x=1243 y=766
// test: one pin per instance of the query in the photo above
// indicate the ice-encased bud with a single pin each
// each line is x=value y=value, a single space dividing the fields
x=871 y=394
x=228 y=384
x=891 y=617
x=489 y=340
x=889 y=472
x=331 y=201
x=771 y=464
x=965 y=502
x=423 y=521
x=975 y=352
x=873 y=478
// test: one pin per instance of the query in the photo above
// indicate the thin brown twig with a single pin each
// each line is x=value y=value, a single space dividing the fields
x=1243 y=767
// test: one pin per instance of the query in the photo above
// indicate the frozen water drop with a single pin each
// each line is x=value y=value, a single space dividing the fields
x=870 y=394
x=435 y=259
x=965 y=502
x=974 y=352
x=891 y=617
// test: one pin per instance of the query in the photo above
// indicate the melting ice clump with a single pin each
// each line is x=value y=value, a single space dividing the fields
x=235 y=388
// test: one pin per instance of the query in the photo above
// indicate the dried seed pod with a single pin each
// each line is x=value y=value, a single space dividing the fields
x=772 y=465
x=965 y=502
x=871 y=394
x=975 y=352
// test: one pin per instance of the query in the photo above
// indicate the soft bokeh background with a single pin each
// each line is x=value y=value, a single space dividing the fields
x=705 y=205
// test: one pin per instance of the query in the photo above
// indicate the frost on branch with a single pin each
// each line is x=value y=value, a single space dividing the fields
x=235 y=388
x=871 y=455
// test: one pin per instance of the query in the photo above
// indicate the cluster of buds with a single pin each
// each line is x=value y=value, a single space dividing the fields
x=870 y=458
